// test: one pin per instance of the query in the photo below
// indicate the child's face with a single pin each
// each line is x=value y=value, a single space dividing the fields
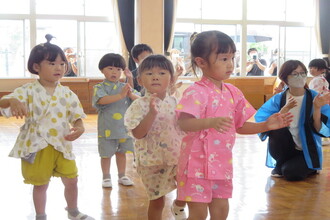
x=112 y=73
x=315 y=72
x=49 y=71
x=142 y=56
x=156 y=80
x=219 y=66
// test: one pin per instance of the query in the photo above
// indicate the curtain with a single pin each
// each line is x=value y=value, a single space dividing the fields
x=126 y=26
x=169 y=21
x=322 y=26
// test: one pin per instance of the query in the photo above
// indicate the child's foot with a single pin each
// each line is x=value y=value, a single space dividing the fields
x=75 y=214
x=106 y=183
x=80 y=216
x=178 y=212
x=124 y=180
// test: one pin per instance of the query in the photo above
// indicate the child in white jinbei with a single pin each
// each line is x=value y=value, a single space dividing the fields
x=53 y=119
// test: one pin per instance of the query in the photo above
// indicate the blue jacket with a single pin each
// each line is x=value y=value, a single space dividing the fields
x=310 y=138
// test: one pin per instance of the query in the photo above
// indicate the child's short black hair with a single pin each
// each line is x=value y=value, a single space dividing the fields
x=156 y=60
x=45 y=51
x=320 y=64
x=112 y=59
x=139 y=48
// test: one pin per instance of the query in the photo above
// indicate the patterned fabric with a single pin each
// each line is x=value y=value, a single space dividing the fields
x=319 y=84
x=48 y=119
x=158 y=180
x=110 y=121
x=207 y=154
x=162 y=143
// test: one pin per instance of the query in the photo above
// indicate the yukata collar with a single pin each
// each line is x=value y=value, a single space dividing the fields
x=210 y=84
x=37 y=82
x=107 y=81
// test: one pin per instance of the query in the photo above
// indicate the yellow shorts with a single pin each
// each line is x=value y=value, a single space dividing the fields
x=48 y=162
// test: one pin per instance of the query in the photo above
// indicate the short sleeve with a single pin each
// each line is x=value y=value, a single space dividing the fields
x=243 y=109
x=76 y=109
x=98 y=93
x=193 y=102
x=19 y=94
x=134 y=115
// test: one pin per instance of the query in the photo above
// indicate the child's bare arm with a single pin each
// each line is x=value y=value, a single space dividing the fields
x=76 y=131
x=131 y=95
x=143 y=128
x=189 y=123
x=275 y=121
x=17 y=108
x=114 y=98
x=129 y=77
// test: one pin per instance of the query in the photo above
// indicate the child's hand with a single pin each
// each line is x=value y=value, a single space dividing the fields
x=279 y=120
x=179 y=68
x=221 y=124
x=75 y=133
x=291 y=103
x=17 y=108
x=152 y=106
x=128 y=73
x=125 y=90
x=321 y=100
x=279 y=88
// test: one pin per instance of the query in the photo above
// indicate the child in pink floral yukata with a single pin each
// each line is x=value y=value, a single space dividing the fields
x=151 y=120
x=211 y=112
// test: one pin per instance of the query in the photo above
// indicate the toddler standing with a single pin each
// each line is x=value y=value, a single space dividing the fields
x=111 y=98
x=211 y=112
x=53 y=119
x=151 y=120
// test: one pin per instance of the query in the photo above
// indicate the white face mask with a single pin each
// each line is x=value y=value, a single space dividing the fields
x=297 y=82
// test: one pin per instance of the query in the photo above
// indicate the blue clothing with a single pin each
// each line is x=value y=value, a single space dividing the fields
x=310 y=138
x=110 y=121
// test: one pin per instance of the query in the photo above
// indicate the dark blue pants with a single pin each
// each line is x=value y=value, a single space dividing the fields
x=289 y=161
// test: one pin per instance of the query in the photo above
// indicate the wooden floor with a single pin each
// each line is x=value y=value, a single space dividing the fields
x=256 y=195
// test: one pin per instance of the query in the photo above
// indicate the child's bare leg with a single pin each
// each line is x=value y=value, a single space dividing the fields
x=180 y=203
x=71 y=191
x=121 y=164
x=197 y=210
x=105 y=166
x=155 y=209
x=219 y=209
x=39 y=198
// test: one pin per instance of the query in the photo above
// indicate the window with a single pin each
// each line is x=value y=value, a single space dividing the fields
x=270 y=26
x=12 y=48
x=85 y=25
